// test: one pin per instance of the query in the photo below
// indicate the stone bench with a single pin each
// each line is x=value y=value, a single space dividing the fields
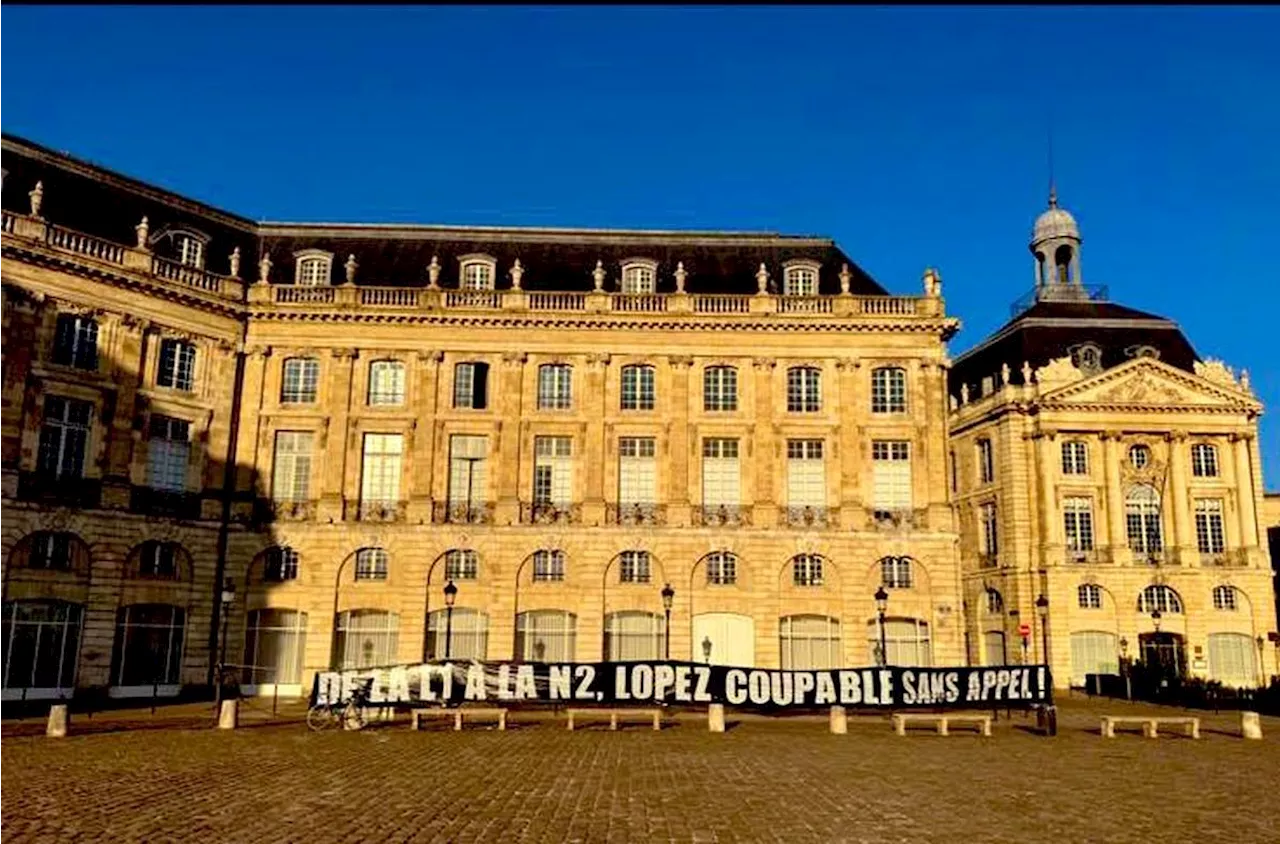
x=615 y=714
x=1150 y=724
x=942 y=722
x=458 y=714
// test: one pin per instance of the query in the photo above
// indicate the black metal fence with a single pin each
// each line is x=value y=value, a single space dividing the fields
x=1157 y=684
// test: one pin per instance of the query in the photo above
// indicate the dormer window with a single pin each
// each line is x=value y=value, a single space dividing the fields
x=639 y=277
x=800 y=280
x=1087 y=358
x=315 y=268
x=190 y=250
x=477 y=272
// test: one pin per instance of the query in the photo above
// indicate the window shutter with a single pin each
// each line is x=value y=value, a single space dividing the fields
x=480 y=388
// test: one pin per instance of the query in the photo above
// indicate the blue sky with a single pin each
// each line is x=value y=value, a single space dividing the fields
x=913 y=136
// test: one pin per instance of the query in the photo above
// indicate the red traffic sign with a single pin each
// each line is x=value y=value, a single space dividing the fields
x=1024 y=630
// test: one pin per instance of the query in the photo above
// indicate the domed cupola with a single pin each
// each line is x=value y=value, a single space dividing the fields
x=1055 y=242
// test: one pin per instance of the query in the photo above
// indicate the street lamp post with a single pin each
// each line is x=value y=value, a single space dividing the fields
x=450 y=595
x=1042 y=610
x=228 y=598
x=706 y=649
x=1124 y=668
x=882 y=604
x=668 y=598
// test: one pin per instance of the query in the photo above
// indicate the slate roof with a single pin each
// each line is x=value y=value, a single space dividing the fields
x=100 y=202
x=1048 y=329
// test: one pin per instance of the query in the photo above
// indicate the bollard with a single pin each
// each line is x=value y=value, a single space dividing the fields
x=229 y=714
x=1250 y=725
x=715 y=717
x=57 y=721
x=839 y=723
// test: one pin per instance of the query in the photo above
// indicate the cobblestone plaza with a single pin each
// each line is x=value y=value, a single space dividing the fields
x=784 y=780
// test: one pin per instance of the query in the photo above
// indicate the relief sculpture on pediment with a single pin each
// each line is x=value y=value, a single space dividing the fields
x=1144 y=390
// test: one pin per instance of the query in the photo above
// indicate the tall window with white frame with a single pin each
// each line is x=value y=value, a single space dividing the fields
x=720 y=389
x=638 y=279
x=895 y=572
x=168 y=453
x=722 y=569
x=1077 y=525
x=314 y=271
x=637 y=475
x=371 y=564
x=461 y=564
x=75 y=342
x=806 y=570
x=64 y=437
x=804 y=389
x=1224 y=598
x=990 y=536
x=638 y=387
x=721 y=477
x=468 y=476
x=1142 y=520
x=809 y=642
x=1204 y=460
x=800 y=281
x=386 y=383
x=299 y=379
x=555 y=386
x=380 y=472
x=477 y=275
x=806 y=480
x=889 y=390
x=1089 y=596
x=471 y=385
x=891 y=477
x=633 y=567
x=291 y=472
x=1210 y=535
x=548 y=566
x=1075 y=458
x=986 y=461
x=176 y=367
x=552 y=475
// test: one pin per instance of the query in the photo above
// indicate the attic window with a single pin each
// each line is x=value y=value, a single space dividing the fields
x=1144 y=352
x=314 y=269
x=190 y=250
x=800 y=280
x=477 y=273
x=1087 y=358
x=639 y=277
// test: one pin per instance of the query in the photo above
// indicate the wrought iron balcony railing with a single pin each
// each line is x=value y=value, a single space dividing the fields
x=721 y=515
x=636 y=513
x=160 y=502
x=819 y=517
x=549 y=513
x=67 y=490
x=462 y=512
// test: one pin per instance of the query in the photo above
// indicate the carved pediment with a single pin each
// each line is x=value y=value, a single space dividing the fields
x=1146 y=383
x=1057 y=373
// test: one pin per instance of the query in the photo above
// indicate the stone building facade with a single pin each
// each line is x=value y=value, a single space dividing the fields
x=1108 y=487
x=608 y=444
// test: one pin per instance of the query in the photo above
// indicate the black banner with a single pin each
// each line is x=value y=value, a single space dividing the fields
x=648 y=683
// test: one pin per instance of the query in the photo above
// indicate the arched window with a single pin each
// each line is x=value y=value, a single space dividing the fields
x=159 y=561
x=365 y=638
x=555 y=386
x=1233 y=660
x=148 y=651
x=722 y=569
x=1093 y=652
x=800 y=281
x=632 y=635
x=1204 y=460
x=809 y=642
x=299 y=378
x=314 y=269
x=1159 y=597
x=465 y=636
x=804 y=389
x=720 y=388
x=633 y=567
x=1062 y=260
x=1089 y=596
x=279 y=564
x=75 y=342
x=889 y=390
x=371 y=564
x=895 y=572
x=906 y=641
x=1075 y=458
x=41 y=646
x=1224 y=598
x=275 y=646
x=1142 y=519
x=995 y=602
x=51 y=551
x=639 y=278
x=386 y=382
x=548 y=566
x=546 y=636
x=806 y=570
x=461 y=565
x=638 y=387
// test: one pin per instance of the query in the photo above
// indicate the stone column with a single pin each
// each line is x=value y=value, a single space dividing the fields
x=1116 y=535
x=678 y=434
x=768 y=468
x=506 y=474
x=1045 y=475
x=850 y=501
x=593 y=451
x=424 y=447
x=1183 y=545
x=1246 y=498
x=126 y=357
x=333 y=486
x=250 y=415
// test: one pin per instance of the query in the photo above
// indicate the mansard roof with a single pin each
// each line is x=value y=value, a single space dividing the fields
x=1049 y=329
x=100 y=202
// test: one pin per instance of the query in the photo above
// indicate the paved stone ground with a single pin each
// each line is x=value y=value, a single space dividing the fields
x=763 y=781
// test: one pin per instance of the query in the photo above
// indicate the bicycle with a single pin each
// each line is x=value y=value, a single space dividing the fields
x=349 y=713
